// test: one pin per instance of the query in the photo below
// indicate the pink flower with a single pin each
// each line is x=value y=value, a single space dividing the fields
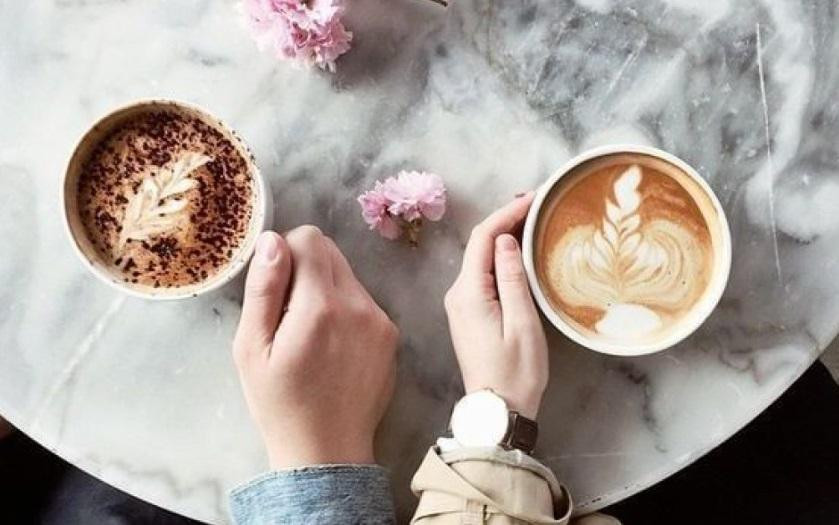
x=308 y=32
x=402 y=202
x=374 y=210
x=416 y=195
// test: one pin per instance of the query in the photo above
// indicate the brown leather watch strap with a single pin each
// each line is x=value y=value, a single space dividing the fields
x=521 y=433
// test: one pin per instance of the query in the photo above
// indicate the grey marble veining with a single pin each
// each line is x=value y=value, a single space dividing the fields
x=493 y=96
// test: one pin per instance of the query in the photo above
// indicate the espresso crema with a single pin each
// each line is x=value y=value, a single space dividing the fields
x=624 y=248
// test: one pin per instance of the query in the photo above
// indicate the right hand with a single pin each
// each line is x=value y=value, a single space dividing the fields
x=317 y=375
x=496 y=332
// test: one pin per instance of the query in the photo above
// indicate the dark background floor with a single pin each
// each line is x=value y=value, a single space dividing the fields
x=783 y=468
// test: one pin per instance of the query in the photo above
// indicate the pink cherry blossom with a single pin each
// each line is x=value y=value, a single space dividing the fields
x=400 y=204
x=374 y=210
x=307 y=32
x=415 y=195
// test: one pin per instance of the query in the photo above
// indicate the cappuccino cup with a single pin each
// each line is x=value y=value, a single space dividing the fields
x=163 y=201
x=627 y=249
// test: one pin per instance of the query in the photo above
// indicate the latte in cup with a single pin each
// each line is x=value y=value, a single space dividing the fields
x=162 y=199
x=629 y=250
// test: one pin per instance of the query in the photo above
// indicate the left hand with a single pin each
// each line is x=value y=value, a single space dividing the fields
x=318 y=376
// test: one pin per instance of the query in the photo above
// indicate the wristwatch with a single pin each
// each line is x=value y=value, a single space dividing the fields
x=482 y=419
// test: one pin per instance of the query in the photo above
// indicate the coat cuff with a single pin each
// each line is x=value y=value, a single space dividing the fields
x=480 y=482
x=316 y=494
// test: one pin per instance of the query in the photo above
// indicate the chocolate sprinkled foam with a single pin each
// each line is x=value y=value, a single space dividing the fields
x=167 y=198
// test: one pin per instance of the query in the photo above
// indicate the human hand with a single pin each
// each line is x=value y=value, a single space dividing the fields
x=318 y=375
x=496 y=332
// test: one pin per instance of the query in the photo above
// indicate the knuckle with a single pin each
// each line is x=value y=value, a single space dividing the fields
x=510 y=274
x=258 y=288
x=322 y=312
x=365 y=315
x=390 y=335
x=377 y=322
x=329 y=241
x=310 y=230
x=390 y=328
x=375 y=316
x=325 y=310
x=393 y=331
x=293 y=358
x=305 y=234
x=478 y=230
x=510 y=268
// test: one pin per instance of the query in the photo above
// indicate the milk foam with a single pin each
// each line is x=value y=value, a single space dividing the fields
x=628 y=320
x=637 y=272
x=165 y=199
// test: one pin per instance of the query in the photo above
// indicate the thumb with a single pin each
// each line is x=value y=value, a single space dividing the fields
x=517 y=307
x=265 y=294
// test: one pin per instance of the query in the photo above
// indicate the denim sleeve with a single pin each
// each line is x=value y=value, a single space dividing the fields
x=318 y=494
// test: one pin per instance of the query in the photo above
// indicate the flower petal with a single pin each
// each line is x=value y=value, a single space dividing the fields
x=388 y=228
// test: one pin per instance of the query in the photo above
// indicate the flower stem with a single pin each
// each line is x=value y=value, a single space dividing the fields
x=413 y=229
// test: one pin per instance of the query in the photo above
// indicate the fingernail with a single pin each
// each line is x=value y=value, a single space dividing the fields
x=506 y=243
x=267 y=249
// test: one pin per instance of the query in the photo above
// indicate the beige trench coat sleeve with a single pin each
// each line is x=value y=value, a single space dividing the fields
x=490 y=486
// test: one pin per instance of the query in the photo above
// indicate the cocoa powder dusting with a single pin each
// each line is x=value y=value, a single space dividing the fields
x=211 y=227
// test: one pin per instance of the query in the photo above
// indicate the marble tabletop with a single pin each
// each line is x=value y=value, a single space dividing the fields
x=493 y=96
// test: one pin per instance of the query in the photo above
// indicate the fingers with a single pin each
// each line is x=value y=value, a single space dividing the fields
x=313 y=279
x=478 y=256
x=265 y=294
x=517 y=307
x=342 y=273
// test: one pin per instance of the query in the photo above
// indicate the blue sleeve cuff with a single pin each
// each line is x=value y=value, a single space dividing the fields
x=317 y=494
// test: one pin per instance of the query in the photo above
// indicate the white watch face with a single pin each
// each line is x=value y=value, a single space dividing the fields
x=480 y=419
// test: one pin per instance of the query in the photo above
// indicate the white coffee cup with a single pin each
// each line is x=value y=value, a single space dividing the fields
x=699 y=311
x=261 y=216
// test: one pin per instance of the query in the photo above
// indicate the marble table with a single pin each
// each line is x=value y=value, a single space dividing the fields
x=492 y=95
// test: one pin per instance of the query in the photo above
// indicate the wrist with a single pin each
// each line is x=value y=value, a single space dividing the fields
x=286 y=455
x=526 y=403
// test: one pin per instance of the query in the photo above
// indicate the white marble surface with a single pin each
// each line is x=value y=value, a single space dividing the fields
x=491 y=95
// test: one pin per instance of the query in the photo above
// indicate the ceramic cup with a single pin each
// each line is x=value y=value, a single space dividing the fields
x=261 y=216
x=699 y=311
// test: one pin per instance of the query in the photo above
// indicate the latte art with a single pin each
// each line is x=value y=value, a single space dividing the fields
x=623 y=249
x=158 y=205
x=625 y=267
x=165 y=199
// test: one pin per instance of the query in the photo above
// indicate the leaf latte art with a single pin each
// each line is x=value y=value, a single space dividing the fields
x=165 y=198
x=158 y=203
x=638 y=270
